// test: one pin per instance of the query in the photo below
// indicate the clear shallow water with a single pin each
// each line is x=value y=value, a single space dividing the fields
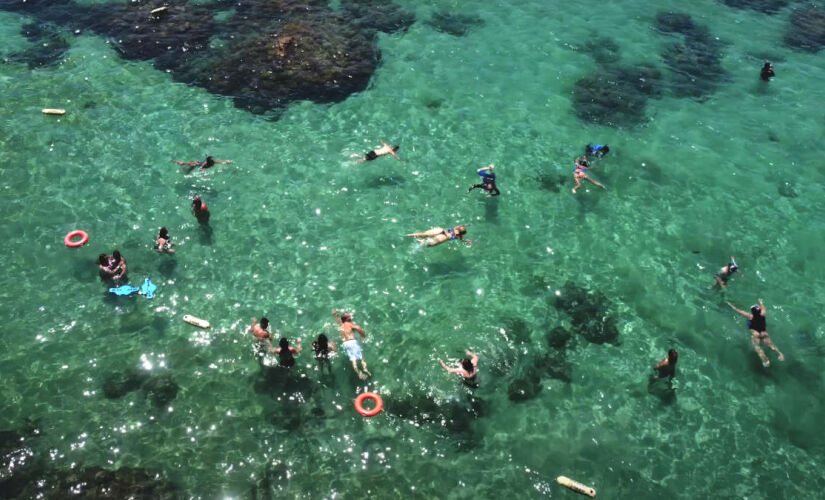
x=299 y=229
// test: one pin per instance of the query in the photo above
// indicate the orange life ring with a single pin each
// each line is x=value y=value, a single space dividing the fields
x=79 y=243
x=379 y=404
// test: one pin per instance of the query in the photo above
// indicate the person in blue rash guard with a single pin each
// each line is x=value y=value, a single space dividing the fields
x=488 y=181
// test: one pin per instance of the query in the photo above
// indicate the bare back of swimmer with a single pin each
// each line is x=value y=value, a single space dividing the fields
x=384 y=150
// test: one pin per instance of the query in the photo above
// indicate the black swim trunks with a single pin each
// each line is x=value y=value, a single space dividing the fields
x=370 y=156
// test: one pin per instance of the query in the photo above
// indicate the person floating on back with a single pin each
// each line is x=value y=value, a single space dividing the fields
x=200 y=210
x=350 y=344
x=438 y=235
x=726 y=273
x=488 y=181
x=382 y=151
x=209 y=162
x=767 y=71
x=580 y=172
x=759 y=331
x=597 y=150
x=468 y=369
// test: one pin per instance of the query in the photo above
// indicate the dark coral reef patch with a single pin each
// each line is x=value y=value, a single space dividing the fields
x=263 y=54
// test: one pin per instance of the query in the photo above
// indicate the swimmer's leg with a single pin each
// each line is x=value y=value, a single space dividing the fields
x=759 y=352
x=578 y=184
x=594 y=182
x=768 y=342
x=475 y=186
x=426 y=234
x=364 y=368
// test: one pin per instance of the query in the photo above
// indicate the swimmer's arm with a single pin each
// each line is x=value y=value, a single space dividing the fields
x=740 y=311
x=661 y=363
x=391 y=150
x=332 y=346
x=297 y=348
x=225 y=162
x=188 y=163
x=762 y=308
x=450 y=370
x=359 y=330
x=122 y=269
x=254 y=322
x=335 y=315
x=488 y=168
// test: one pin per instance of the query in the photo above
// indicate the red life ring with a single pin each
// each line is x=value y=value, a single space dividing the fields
x=79 y=243
x=379 y=404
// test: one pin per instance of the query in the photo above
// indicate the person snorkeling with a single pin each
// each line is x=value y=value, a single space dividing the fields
x=488 y=181
x=726 y=273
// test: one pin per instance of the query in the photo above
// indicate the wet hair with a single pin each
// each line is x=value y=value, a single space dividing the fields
x=283 y=343
x=103 y=259
x=264 y=323
x=323 y=343
x=346 y=317
x=395 y=148
x=467 y=364
x=209 y=161
x=584 y=162
x=672 y=357
x=116 y=255
x=164 y=233
x=605 y=149
x=462 y=229
x=196 y=202
x=756 y=310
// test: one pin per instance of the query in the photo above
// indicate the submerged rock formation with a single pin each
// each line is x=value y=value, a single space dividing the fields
x=807 y=31
x=263 y=54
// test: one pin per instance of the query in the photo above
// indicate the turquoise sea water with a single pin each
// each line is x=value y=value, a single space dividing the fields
x=298 y=228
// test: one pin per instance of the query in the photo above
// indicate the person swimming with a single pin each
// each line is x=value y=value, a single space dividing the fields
x=468 y=369
x=767 y=71
x=323 y=349
x=726 y=273
x=382 y=151
x=597 y=150
x=437 y=235
x=163 y=242
x=580 y=172
x=666 y=368
x=200 y=210
x=209 y=162
x=758 y=327
x=488 y=181
x=118 y=265
x=286 y=353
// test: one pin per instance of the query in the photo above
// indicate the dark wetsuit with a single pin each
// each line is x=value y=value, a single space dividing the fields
x=471 y=382
x=758 y=324
x=767 y=72
x=488 y=182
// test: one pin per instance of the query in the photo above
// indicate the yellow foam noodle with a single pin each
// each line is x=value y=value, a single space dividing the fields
x=53 y=111
x=202 y=323
x=576 y=486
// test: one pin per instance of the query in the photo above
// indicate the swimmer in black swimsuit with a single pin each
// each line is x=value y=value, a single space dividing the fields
x=286 y=352
x=468 y=369
x=767 y=71
x=383 y=150
x=200 y=209
x=759 y=331
x=209 y=162
x=163 y=242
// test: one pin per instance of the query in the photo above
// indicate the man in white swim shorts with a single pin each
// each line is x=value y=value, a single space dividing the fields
x=350 y=344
